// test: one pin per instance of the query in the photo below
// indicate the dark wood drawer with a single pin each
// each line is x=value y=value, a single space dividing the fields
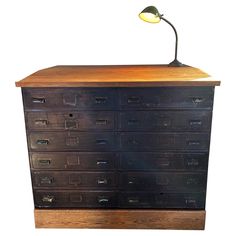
x=74 y=160
x=164 y=181
x=69 y=98
x=163 y=161
x=134 y=141
x=74 y=179
x=165 y=121
x=70 y=120
x=72 y=140
x=74 y=199
x=162 y=200
x=108 y=199
x=166 y=97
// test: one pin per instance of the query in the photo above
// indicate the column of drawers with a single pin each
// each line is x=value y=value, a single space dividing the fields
x=119 y=147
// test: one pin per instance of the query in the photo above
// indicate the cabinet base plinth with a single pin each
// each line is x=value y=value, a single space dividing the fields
x=120 y=219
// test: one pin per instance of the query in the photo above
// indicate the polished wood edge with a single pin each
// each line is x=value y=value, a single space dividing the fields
x=118 y=84
x=121 y=219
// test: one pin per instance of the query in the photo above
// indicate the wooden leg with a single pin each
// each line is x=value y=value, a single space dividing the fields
x=120 y=219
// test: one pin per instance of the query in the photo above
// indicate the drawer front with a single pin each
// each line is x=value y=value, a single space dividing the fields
x=69 y=98
x=165 y=121
x=172 y=181
x=70 y=120
x=73 y=179
x=108 y=199
x=166 y=97
x=74 y=160
x=74 y=199
x=72 y=141
x=163 y=161
x=162 y=200
x=160 y=141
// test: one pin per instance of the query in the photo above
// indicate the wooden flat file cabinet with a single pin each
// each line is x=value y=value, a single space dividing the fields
x=119 y=146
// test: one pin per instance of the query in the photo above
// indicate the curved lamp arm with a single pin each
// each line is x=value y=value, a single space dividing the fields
x=175 y=62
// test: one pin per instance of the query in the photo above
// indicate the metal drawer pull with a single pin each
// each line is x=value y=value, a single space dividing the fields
x=190 y=201
x=101 y=122
x=192 y=162
x=48 y=199
x=38 y=100
x=100 y=100
x=102 y=163
x=195 y=122
x=41 y=122
x=197 y=100
x=46 y=180
x=133 y=200
x=42 y=142
x=134 y=99
x=44 y=162
x=194 y=143
x=103 y=200
x=101 y=141
x=102 y=181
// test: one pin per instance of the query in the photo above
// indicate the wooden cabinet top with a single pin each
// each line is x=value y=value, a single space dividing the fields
x=117 y=76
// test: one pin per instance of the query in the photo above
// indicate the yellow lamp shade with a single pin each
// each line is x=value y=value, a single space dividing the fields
x=150 y=14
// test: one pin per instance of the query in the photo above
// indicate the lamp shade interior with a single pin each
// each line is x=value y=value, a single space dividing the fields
x=150 y=14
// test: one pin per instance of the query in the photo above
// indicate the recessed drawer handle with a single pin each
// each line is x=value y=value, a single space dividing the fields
x=44 y=162
x=101 y=122
x=72 y=141
x=71 y=124
x=100 y=100
x=195 y=122
x=42 y=142
x=132 y=122
x=194 y=143
x=133 y=200
x=197 y=100
x=103 y=200
x=192 y=162
x=38 y=100
x=133 y=142
x=102 y=181
x=102 y=163
x=46 y=180
x=101 y=141
x=192 y=181
x=190 y=201
x=164 y=163
x=162 y=181
x=41 y=122
x=48 y=199
x=75 y=180
x=76 y=198
x=134 y=99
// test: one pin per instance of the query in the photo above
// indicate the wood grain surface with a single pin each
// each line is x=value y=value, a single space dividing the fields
x=117 y=76
x=122 y=219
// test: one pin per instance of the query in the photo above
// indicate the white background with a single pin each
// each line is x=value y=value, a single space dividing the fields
x=39 y=34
